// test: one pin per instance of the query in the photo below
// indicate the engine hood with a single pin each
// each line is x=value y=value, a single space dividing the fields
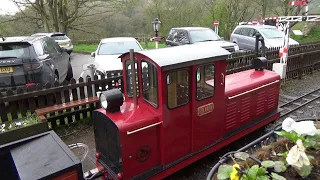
x=108 y=62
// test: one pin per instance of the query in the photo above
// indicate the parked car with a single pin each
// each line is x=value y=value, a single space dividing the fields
x=244 y=36
x=25 y=61
x=109 y=49
x=193 y=35
x=61 y=38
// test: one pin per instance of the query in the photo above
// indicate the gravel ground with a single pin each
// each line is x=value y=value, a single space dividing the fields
x=200 y=169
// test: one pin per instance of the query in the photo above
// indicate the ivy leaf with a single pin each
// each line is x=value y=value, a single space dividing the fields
x=261 y=171
x=285 y=154
x=309 y=142
x=241 y=155
x=245 y=177
x=277 y=177
x=293 y=136
x=262 y=178
x=253 y=171
x=279 y=166
x=224 y=172
x=267 y=164
x=304 y=171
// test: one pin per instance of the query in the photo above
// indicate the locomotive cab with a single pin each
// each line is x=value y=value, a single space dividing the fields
x=172 y=112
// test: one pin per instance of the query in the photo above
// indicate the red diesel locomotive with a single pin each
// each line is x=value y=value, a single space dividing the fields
x=180 y=107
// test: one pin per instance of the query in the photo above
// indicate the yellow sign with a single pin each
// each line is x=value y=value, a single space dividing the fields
x=6 y=69
x=205 y=109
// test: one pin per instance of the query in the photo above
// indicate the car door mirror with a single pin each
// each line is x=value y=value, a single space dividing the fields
x=93 y=54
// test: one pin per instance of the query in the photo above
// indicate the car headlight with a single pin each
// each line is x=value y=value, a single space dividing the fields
x=236 y=47
x=111 y=100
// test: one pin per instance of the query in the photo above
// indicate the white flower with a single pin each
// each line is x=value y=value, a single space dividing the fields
x=287 y=123
x=301 y=128
x=297 y=157
x=304 y=128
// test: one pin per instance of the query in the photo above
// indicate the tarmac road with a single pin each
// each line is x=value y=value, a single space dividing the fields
x=77 y=63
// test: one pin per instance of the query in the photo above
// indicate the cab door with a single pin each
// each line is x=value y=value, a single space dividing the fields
x=177 y=115
x=207 y=103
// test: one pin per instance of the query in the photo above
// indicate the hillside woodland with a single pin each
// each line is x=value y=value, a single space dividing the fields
x=93 y=19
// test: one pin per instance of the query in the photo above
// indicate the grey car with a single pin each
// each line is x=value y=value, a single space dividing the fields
x=195 y=35
x=61 y=38
x=244 y=36
x=26 y=61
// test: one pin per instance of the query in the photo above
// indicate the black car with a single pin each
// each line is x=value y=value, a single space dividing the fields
x=26 y=61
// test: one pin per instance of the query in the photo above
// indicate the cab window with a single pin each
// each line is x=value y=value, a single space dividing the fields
x=205 y=81
x=177 y=88
x=149 y=83
x=129 y=79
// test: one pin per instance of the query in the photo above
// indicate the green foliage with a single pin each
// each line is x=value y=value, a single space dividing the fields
x=224 y=172
x=267 y=164
x=88 y=48
x=304 y=171
x=27 y=120
x=293 y=136
x=314 y=35
x=276 y=176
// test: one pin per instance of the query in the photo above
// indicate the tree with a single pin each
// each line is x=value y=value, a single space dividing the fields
x=62 y=15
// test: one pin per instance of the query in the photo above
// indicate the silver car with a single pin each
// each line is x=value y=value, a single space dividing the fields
x=244 y=36
x=61 y=38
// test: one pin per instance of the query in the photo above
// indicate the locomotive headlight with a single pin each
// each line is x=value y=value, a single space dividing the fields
x=111 y=100
x=103 y=101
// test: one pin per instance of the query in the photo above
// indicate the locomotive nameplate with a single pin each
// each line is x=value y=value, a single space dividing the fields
x=205 y=109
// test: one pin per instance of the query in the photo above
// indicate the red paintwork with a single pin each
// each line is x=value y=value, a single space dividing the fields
x=246 y=80
x=183 y=132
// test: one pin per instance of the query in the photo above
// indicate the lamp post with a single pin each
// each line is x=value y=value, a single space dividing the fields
x=156 y=25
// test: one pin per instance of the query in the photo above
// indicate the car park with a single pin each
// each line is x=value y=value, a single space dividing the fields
x=244 y=36
x=61 y=38
x=108 y=51
x=195 y=35
x=26 y=61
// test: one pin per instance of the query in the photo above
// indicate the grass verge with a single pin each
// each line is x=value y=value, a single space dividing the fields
x=88 y=48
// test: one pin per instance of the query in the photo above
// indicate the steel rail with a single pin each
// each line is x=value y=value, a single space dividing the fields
x=301 y=105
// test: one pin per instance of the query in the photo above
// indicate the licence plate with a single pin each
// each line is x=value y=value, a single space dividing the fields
x=64 y=44
x=6 y=69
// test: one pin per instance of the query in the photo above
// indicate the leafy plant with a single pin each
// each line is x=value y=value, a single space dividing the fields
x=255 y=172
x=28 y=120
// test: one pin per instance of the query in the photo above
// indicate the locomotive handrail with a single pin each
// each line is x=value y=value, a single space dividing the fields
x=226 y=156
x=232 y=97
x=143 y=128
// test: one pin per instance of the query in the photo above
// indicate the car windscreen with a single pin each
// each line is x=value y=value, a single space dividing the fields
x=14 y=50
x=59 y=37
x=109 y=48
x=271 y=33
x=203 y=35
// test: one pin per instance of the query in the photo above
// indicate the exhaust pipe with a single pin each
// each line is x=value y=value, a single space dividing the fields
x=134 y=83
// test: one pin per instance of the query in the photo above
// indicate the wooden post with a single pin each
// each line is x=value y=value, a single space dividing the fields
x=134 y=83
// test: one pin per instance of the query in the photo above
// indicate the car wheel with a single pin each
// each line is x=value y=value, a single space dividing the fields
x=70 y=73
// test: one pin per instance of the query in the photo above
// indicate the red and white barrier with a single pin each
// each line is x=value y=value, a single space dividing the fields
x=298 y=3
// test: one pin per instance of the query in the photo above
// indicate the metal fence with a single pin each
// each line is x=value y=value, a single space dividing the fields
x=302 y=60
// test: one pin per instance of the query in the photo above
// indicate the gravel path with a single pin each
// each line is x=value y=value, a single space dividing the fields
x=201 y=168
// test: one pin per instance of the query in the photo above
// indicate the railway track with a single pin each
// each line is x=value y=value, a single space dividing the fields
x=294 y=104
